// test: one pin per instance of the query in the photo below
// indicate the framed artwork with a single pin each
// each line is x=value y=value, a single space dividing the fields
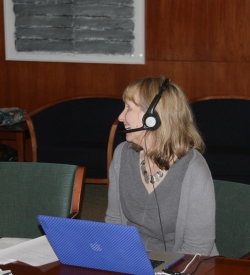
x=83 y=31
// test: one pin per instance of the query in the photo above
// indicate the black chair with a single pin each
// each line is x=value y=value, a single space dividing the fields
x=224 y=123
x=75 y=131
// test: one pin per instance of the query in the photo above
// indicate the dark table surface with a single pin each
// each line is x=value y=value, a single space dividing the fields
x=213 y=266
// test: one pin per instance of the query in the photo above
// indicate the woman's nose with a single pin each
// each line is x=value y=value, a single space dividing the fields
x=121 y=117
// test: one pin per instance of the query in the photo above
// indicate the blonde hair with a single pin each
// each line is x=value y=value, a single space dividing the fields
x=178 y=132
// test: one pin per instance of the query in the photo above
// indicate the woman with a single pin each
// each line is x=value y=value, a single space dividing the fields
x=159 y=181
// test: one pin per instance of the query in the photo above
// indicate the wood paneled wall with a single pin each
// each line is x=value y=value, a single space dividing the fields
x=202 y=45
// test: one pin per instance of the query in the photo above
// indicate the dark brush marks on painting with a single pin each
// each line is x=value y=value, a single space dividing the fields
x=75 y=26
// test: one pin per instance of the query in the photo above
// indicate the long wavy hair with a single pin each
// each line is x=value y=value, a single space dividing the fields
x=178 y=132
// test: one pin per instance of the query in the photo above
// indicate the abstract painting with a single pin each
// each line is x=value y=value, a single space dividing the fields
x=87 y=31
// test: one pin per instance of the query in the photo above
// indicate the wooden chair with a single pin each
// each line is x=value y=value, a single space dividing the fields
x=75 y=131
x=232 y=219
x=224 y=122
x=29 y=189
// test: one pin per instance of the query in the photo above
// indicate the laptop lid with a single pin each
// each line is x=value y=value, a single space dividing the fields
x=98 y=245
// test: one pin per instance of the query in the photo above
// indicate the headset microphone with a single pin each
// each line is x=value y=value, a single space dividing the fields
x=151 y=120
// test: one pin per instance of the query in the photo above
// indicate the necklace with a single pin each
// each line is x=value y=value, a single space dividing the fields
x=150 y=178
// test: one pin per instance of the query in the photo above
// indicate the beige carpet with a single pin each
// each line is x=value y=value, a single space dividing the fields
x=94 y=203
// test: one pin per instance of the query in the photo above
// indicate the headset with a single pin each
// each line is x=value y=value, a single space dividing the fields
x=151 y=120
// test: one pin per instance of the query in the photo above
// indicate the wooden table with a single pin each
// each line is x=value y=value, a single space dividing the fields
x=18 y=132
x=214 y=266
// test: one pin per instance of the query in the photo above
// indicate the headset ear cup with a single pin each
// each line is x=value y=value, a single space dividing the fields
x=152 y=121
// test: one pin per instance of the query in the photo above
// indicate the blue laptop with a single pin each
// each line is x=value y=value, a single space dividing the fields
x=103 y=246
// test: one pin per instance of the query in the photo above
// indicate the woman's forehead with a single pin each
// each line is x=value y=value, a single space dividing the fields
x=131 y=94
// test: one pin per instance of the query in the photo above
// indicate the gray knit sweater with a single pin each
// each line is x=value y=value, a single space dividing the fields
x=195 y=222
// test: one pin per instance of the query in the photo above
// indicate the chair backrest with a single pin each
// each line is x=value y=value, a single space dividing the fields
x=232 y=218
x=82 y=118
x=223 y=120
x=29 y=189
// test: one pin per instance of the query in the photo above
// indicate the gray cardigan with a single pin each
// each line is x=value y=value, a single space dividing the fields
x=195 y=226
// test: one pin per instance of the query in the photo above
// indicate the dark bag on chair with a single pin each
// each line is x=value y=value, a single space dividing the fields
x=7 y=153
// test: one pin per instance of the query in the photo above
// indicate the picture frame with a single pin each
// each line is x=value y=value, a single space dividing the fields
x=137 y=56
